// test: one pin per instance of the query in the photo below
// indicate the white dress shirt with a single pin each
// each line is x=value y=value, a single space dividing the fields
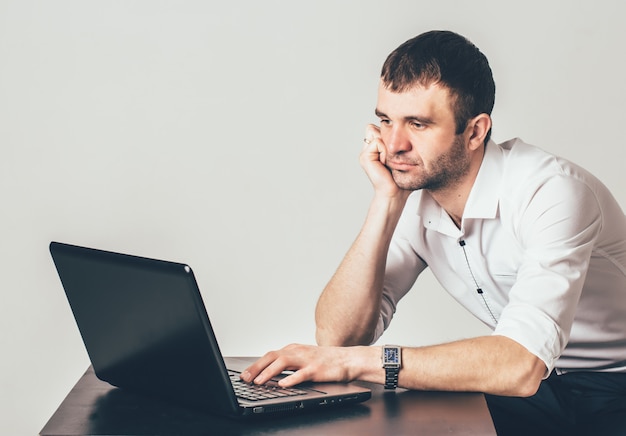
x=540 y=257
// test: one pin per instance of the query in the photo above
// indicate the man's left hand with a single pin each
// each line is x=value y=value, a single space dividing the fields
x=309 y=363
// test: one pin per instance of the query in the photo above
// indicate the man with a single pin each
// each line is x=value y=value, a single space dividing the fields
x=529 y=243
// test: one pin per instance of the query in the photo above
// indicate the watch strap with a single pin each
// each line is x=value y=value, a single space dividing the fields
x=391 y=377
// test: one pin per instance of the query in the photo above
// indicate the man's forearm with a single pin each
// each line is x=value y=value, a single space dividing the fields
x=349 y=307
x=491 y=364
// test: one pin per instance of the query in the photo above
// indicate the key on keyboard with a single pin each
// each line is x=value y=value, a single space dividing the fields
x=261 y=392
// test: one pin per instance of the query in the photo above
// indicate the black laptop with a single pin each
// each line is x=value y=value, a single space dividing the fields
x=146 y=329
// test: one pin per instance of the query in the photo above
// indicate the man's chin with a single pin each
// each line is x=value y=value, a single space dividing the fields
x=405 y=184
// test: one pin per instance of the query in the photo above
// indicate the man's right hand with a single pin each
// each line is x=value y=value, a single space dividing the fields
x=373 y=158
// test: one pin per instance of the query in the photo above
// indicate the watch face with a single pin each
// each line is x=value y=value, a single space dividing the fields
x=391 y=355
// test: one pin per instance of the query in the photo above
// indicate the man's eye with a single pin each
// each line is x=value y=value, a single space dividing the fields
x=417 y=125
x=386 y=122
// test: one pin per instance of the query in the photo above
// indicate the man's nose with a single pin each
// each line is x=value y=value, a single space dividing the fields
x=398 y=141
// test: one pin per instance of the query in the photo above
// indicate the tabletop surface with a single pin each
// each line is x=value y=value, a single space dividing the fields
x=94 y=407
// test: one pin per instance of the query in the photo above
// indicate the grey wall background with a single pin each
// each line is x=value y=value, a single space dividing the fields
x=226 y=135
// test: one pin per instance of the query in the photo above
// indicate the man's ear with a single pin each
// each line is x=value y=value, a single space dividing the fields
x=478 y=128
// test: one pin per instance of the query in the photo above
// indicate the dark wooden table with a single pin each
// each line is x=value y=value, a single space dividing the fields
x=94 y=407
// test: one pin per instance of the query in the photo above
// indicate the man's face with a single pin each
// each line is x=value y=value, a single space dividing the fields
x=418 y=130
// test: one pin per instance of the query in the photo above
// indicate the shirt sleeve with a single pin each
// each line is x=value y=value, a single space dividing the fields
x=402 y=269
x=557 y=227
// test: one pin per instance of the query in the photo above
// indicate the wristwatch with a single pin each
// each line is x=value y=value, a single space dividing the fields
x=392 y=362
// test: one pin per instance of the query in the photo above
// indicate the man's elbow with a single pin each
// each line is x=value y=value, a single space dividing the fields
x=526 y=378
x=332 y=338
x=526 y=388
x=323 y=338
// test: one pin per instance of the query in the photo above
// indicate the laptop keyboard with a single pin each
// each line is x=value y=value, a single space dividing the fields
x=261 y=392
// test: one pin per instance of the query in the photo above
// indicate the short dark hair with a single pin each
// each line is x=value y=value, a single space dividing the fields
x=451 y=60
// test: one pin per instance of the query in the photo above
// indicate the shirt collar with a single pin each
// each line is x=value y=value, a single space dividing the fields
x=482 y=202
x=484 y=197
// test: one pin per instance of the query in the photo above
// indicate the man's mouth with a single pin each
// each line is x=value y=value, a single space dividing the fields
x=400 y=166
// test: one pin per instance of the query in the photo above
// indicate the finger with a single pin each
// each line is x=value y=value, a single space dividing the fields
x=253 y=371
x=374 y=149
x=371 y=132
x=297 y=377
x=382 y=150
x=272 y=370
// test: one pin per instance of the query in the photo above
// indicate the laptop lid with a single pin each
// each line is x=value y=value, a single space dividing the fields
x=146 y=329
